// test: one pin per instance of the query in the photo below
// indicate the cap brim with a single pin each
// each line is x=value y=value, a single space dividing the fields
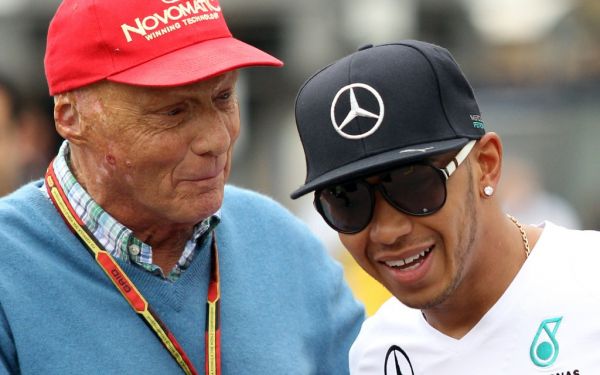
x=195 y=63
x=379 y=162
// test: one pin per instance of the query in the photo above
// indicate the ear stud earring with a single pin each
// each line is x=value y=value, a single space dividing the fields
x=488 y=191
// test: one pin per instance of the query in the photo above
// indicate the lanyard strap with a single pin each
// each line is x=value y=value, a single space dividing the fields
x=135 y=299
x=213 y=322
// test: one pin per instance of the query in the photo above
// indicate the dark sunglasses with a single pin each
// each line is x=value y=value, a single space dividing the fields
x=416 y=189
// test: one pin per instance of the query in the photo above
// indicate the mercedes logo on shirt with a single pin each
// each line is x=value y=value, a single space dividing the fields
x=397 y=362
x=357 y=111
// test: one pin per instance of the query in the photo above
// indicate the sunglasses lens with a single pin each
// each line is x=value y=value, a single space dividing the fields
x=415 y=189
x=346 y=208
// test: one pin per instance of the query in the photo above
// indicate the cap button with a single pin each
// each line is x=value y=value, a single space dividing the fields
x=364 y=47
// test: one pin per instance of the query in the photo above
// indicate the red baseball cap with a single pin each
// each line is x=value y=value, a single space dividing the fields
x=142 y=42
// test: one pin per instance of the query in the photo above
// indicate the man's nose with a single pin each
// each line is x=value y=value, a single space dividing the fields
x=212 y=134
x=388 y=224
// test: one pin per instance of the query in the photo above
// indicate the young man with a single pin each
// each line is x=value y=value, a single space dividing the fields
x=402 y=168
x=132 y=256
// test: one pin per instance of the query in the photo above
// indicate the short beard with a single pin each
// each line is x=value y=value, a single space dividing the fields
x=463 y=249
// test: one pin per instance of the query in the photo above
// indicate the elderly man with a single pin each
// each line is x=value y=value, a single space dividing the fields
x=403 y=169
x=132 y=256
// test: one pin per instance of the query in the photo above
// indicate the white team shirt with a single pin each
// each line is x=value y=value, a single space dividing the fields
x=547 y=322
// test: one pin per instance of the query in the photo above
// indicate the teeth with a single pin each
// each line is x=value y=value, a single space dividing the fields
x=395 y=263
x=409 y=260
x=412 y=267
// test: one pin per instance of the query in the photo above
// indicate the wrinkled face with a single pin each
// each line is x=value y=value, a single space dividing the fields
x=162 y=154
x=420 y=260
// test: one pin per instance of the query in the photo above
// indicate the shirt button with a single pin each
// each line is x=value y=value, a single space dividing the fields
x=134 y=250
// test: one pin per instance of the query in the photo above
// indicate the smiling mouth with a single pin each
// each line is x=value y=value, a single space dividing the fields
x=410 y=263
x=206 y=177
x=202 y=179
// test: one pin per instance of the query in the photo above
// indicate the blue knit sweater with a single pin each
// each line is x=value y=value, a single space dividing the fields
x=285 y=308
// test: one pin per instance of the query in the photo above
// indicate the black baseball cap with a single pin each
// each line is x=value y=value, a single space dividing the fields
x=382 y=106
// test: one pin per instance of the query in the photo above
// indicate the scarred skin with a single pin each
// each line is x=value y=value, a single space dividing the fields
x=156 y=159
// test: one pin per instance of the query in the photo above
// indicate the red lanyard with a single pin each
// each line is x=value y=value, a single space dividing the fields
x=135 y=298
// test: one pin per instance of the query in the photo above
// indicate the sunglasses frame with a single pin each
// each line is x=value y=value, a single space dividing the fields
x=444 y=173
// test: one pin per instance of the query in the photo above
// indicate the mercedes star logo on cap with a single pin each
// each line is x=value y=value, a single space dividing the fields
x=357 y=111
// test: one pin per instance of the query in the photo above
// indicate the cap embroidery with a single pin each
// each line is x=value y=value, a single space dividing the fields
x=477 y=122
x=160 y=23
x=413 y=150
x=357 y=111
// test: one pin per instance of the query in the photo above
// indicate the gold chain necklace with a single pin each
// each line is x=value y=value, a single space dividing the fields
x=523 y=234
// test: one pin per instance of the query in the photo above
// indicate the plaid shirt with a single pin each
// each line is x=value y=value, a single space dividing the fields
x=117 y=239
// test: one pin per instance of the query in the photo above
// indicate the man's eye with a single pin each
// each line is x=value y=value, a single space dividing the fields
x=338 y=191
x=386 y=177
x=174 y=111
x=224 y=97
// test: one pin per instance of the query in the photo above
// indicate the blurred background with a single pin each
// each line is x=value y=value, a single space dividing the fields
x=534 y=66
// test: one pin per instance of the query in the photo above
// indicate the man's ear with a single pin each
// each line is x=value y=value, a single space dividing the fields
x=489 y=160
x=67 y=118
